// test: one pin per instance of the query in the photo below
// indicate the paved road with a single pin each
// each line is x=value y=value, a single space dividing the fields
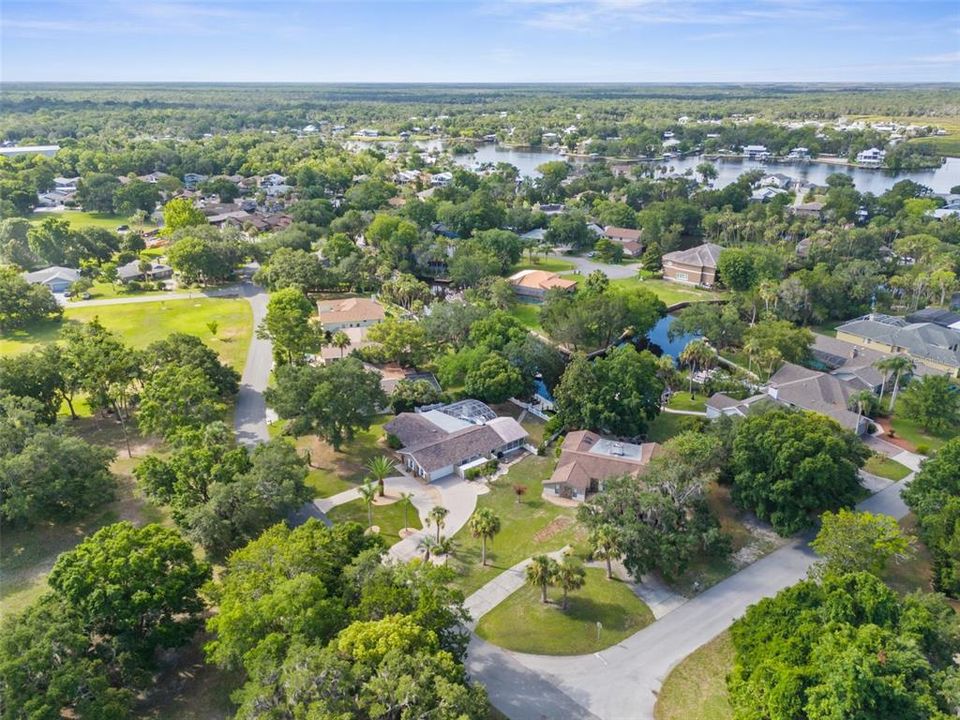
x=622 y=682
x=250 y=415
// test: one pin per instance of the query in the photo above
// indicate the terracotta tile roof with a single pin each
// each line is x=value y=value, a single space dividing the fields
x=541 y=280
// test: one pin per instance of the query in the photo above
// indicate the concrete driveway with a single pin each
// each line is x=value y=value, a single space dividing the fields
x=586 y=266
x=622 y=682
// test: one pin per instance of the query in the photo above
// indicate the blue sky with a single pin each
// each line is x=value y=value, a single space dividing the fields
x=492 y=41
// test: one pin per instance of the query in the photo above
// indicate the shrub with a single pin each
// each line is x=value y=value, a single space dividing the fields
x=393 y=442
x=923 y=449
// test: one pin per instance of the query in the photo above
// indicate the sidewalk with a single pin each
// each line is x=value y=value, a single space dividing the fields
x=500 y=588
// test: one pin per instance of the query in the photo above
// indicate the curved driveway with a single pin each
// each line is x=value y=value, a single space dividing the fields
x=622 y=682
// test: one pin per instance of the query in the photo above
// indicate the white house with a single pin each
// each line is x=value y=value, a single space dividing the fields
x=873 y=157
x=756 y=152
x=441 y=179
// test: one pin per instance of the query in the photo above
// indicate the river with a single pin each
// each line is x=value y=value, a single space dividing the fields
x=866 y=179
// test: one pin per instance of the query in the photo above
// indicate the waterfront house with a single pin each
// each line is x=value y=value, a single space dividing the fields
x=756 y=152
x=696 y=266
x=873 y=157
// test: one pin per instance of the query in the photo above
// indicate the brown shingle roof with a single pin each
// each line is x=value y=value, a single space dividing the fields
x=350 y=310
x=579 y=465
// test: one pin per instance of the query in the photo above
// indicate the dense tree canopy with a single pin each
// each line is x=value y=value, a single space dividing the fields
x=848 y=647
x=789 y=465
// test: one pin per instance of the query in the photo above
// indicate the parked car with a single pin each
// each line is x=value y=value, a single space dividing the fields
x=122 y=228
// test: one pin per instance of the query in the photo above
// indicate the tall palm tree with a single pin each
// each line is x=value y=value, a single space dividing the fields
x=406 y=500
x=698 y=355
x=380 y=468
x=606 y=544
x=368 y=492
x=341 y=341
x=898 y=365
x=436 y=515
x=569 y=575
x=540 y=574
x=484 y=524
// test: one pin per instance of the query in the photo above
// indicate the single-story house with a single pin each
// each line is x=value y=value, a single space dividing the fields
x=356 y=312
x=131 y=271
x=535 y=235
x=766 y=194
x=191 y=180
x=57 y=278
x=928 y=343
x=440 y=441
x=587 y=459
x=937 y=316
x=696 y=266
x=534 y=284
x=722 y=404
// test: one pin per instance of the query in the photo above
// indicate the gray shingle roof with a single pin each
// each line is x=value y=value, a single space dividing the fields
x=705 y=255
x=924 y=341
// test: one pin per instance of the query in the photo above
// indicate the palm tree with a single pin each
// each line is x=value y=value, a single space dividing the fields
x=380 y=468
x=426 y=545
x=540 y=574
x=436 y=515
x=862 y=401
x=341 y=341
x=484 y=524
x=898 y=365
x=606 y=544
x=406 y=500
x=368 y=492
x=569 y=575
x=752 y=347
x=698 y=355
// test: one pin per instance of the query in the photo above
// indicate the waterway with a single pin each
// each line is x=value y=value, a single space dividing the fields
x=659 y=342
x=871 y=180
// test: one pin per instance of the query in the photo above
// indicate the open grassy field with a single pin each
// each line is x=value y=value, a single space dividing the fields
x=524 y=624
x=333 y=472
x=140 y=324
x=697 y=687
x=79 y=219
x=670 y=292
x=531 y=526
x=389 y=518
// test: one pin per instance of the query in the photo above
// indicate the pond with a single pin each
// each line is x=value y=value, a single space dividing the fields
x=659 y=342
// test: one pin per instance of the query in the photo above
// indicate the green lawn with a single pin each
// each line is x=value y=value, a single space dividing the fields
x=140 y=324
x=886 y=468
x=529 y=527
x=550 y=264
x=911 y=431
x=696 y=689
x=389 y=518
x=666 y=425
x=333 y=472
x=528 y=314
x=524 y=624
x=79 y=219
x=107 y=291
x=670 y=292
x=680 y=400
